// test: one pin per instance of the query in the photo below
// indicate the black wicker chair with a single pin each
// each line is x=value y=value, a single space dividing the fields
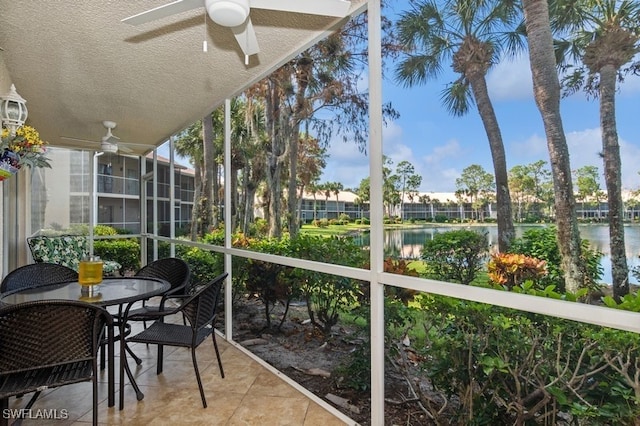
x=35 y=275
x=200 y=310
x=175 y=271
x=51 y=343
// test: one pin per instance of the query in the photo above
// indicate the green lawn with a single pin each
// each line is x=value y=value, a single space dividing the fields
x=333 y=229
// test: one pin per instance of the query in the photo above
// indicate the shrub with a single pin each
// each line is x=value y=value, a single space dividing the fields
x=542 y=244
x=455 y=256
x=327 y=295
x=400 y=267
x=366 y=221
x=269 y=281
x=203 y=264
x=492 y=365
x=510 y=270
x=125 y=252
x=103 y=230
x=259 y=227
x=344 y=218
x=440 y=218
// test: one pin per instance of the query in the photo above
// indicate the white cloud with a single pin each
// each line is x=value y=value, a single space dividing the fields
x=585 y=147
x=511 y=79
x=439 y=154
x=528 y=151
x=438 y=167
x=631 y=86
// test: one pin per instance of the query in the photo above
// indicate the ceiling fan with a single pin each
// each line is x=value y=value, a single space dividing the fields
x=110 y=142
x=235 y=14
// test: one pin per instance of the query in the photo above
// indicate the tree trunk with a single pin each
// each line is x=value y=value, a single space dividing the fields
x=613 y=179
x=292 y=193
x=276 y=155
x=197 y=194
x=546 y=88
x=233 y=202
x=209 y=177
x=506 y=230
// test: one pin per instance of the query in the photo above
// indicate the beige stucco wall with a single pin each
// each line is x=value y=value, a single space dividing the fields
x=5 y=82
x=14 y=206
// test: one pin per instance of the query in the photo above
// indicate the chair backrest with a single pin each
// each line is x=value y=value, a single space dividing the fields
x=175 y=271
x=35 y=275
x=49 y=333
x=200 y=309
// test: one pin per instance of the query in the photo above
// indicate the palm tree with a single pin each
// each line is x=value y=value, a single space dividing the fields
x=471 y=35
x=189 y=144
x=605 y=36
x=546 y=87
x=314 y=189
x=336 y=187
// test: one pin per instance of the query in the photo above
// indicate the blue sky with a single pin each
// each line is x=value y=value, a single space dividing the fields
x=440 y=146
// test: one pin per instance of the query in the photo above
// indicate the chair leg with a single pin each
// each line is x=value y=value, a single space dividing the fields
x=215 y=346
x=4 y=404
x=195 y=367
x=103 y=348
x=159 y=366
x=95 y=401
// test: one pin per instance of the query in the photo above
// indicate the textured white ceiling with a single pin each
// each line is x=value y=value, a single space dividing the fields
x=76 y=65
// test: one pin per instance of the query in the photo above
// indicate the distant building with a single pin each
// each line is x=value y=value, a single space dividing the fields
x=64 y=191
x=421 y=206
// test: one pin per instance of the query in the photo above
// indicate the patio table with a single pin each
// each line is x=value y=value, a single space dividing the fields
x=111 y=292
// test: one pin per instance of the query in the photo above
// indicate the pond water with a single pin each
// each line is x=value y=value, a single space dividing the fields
x=407 y=243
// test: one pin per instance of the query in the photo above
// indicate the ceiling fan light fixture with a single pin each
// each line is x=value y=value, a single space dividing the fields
x=228 y=13
x=108 y=147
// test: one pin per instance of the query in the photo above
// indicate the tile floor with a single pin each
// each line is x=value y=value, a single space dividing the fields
x=250 y=394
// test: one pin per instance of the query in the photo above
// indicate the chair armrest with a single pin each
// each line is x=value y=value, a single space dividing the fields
x=172 y=293
x=167 y=297
x=151 y=315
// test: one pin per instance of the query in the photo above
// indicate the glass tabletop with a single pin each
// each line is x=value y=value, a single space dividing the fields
x=111 y=291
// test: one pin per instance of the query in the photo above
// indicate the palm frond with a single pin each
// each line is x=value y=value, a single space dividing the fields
x=457 y=97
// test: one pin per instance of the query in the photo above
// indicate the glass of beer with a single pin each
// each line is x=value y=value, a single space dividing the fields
x=90 y=271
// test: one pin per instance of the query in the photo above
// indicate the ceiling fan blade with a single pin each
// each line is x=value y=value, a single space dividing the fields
x=124 y=149
x=69 y=138
x=159 y=12
x=246 y=37
x=78 y=143
x=338 y=8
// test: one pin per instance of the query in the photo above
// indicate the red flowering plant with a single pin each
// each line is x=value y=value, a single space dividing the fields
x=24 y=148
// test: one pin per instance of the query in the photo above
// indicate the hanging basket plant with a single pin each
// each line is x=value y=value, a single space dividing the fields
x=24 y=148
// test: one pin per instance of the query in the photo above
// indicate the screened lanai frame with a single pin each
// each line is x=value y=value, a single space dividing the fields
x=378 y=279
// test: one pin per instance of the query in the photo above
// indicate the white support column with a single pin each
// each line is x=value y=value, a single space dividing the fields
x=228 y=293
x=377 y=241
x=93 y=198
x=172 y=197
x=155 y=203
x=143 y=210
